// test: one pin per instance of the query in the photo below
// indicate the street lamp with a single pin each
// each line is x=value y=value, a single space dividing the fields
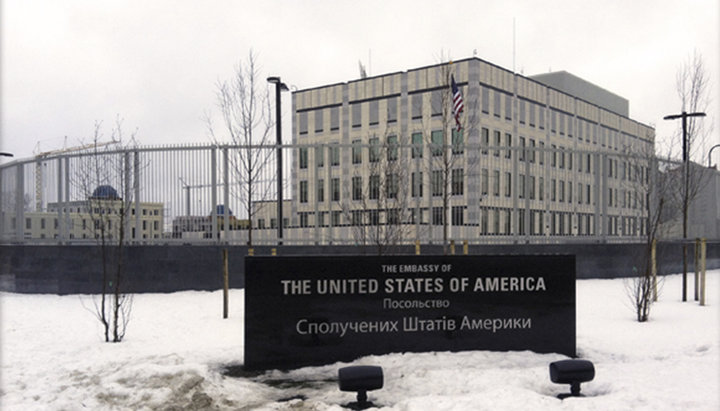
x=710 y=154
x=279 y=87
x=4 y=154
x=686 y=150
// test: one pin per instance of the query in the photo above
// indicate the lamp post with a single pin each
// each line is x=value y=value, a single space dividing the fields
x=4 y=154
x=710 y=154
x=686 y=153
x=279 y=87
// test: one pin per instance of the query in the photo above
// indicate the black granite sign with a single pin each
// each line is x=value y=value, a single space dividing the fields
x=318 y=310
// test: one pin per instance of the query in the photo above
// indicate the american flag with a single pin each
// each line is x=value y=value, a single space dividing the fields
x=457 y=103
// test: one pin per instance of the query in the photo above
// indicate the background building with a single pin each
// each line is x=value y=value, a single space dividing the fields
x=83 y=218
x=537 y=157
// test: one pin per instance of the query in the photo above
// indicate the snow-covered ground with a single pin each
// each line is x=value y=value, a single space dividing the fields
x=178 y=347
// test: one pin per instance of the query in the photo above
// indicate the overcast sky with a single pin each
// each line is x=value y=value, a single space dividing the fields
x=68 y=64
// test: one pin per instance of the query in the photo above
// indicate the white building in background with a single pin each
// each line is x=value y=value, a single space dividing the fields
x=537 y=157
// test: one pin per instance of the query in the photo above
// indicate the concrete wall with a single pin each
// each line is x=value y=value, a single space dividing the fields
x=78 y=269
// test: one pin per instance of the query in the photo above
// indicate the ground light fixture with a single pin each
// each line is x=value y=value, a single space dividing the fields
x=360 y=379
x=571 y=372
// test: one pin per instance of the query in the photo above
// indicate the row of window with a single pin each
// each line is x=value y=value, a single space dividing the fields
x=530 y=114
x=84 y=224
x=531 y=186
x=492 y=221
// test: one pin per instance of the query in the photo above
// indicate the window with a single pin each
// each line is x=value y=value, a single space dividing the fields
x=541 y=153
x=392 y=110
x=321 y=190
x=392 y=185
x=484 y=181
x=374 y=112
x=498 y=143
x=508 y=184
x=541 y=117
x=457 y=215
x=417 y=106
x=374 y=150
x=553 y=190
x=438 y=216
x=496 y=107
x=303 y=219
x=356 y=152
x=485 y=100
x=319 y=156
x=436 y=139
x=531 y=115
x=374 y=193
x=522 y=111
x=417 y=142
x=356 y=109
x=303 y=157
x=357 y=188
x=28 y=223
x=335 y=218
x=457 y=142
x=303 y=191
x=457 y=182
x=303 y=122
x=521 y=186
x=334 y=156
x=508 y=144
x=531 y=186
x=541 y=188
x=521 y=153
x=508 y=107
x=485 y=141
x=417 y=186
x=335 y=189
x=436 y=183
x=334 y=118
x=553 y=163
x=496 y=183
x=319 y=120
x=436 y=103
x=392 y=149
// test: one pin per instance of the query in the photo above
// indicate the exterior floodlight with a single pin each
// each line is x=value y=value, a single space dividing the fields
x=360 y=379
x=571 y=372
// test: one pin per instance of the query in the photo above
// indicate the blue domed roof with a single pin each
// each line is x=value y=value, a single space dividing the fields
x=105 y=191
x=220 y=210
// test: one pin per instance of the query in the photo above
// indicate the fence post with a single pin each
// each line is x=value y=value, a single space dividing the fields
x=697 y=266
x=226 y=282
x=465 y=247
x=653 y=267
x=703 y=254
x=452 y=247
x=417 y=247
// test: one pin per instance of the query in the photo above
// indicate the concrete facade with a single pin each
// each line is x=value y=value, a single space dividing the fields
x=532 y=161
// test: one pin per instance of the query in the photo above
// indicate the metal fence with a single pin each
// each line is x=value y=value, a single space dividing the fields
x=228 y=194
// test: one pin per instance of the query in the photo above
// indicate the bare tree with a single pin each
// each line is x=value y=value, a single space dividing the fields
x=645 y=185
x=97 y=175
x=248 y=123
x=447 y=165
x=377 y=199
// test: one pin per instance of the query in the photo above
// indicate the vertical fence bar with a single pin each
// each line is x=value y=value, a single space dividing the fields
x=138 y=212
x=703 y=261
x=213 y=192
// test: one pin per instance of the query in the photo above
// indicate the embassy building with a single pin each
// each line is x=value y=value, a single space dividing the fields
x=547 y=158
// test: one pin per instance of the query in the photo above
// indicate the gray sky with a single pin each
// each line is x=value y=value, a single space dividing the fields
x=67 y=64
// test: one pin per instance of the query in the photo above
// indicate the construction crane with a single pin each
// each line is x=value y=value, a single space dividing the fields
x=39 y=180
